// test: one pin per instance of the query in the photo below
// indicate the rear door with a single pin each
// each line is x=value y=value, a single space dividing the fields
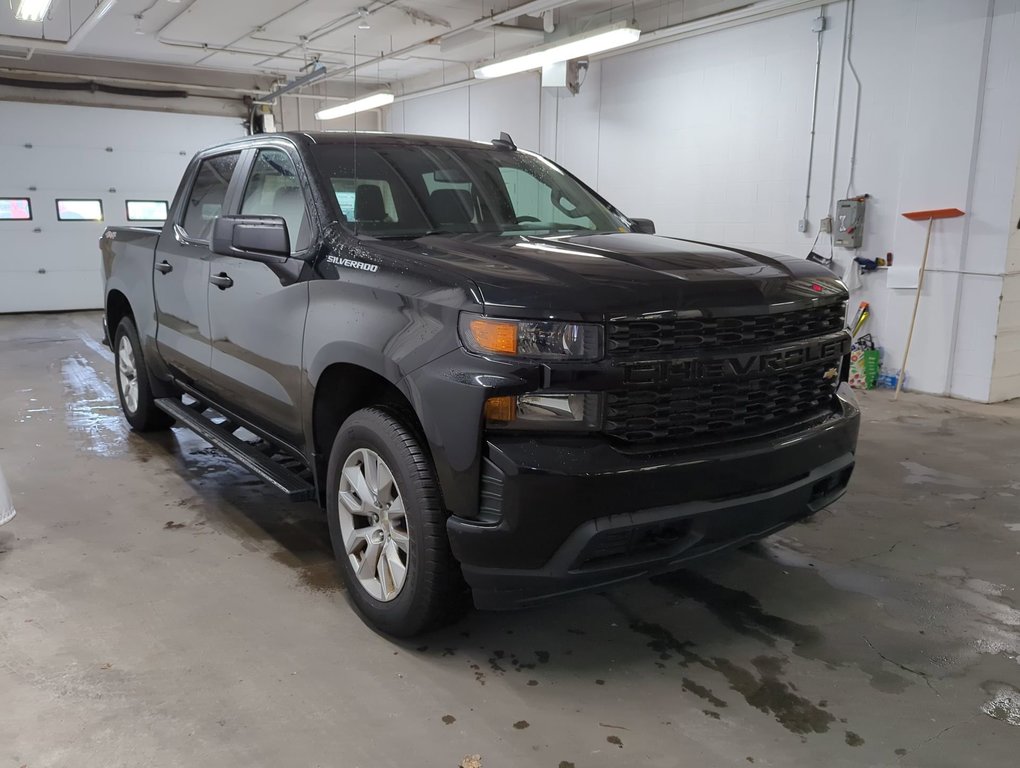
x=181 y=277
x=257 y=323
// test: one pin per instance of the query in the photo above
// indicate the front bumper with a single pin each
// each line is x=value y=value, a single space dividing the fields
x=565 y=515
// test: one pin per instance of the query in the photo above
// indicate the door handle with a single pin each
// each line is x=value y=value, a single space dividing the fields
x=165 y=267
x=222 y=281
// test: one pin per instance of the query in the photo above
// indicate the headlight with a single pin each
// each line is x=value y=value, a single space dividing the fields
x=534 y=339
x=545 y=412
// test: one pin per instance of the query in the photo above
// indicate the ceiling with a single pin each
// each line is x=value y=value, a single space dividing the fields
x=285 y=38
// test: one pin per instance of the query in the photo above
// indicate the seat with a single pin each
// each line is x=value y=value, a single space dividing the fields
x=289 y=202
x=451 y=206
x=369 y=204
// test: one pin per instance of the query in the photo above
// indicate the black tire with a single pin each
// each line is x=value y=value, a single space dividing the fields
x=433 y=592
x=145 y=416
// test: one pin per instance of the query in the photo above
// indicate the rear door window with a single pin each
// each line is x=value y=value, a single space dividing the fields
x=208 y=194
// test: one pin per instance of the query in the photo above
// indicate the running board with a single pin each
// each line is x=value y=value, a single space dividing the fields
x=294 y=486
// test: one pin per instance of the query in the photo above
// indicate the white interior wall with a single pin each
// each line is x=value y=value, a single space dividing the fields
x=1006 y=368
x=46 y=264
x=478 y=112
x=298 y=114
x=709 y=137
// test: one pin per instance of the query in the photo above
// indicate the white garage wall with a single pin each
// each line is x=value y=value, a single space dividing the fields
x=50 y=265
x=478 y=112
x=709 y=137
x=1006 y=370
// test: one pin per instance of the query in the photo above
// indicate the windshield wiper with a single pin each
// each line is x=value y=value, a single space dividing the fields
x=416 y=235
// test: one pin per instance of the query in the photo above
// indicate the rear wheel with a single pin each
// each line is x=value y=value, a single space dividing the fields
x=133 y=382
x=388 y=527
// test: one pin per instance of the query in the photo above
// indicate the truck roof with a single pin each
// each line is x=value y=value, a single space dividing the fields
x=308 y=138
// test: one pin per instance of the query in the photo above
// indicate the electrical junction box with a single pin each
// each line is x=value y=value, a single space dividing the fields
x=850 y=223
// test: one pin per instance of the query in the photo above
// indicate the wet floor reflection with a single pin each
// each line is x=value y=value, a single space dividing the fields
x=92 y=410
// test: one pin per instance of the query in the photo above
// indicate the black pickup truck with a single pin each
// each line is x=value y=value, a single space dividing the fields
x=494 y=382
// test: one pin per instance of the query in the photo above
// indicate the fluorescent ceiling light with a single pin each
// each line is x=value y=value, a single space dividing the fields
x=374 y=101
x=588 y=44
x=32 y=10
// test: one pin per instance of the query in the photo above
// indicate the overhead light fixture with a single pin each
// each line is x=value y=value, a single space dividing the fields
x=364 y=14
x=598 y=40
x=374 y=101
x=32 y=10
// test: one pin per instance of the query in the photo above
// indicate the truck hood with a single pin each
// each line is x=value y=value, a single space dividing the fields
x=599 y=276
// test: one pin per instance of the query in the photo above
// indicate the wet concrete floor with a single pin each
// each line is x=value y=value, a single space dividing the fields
x=160 y=607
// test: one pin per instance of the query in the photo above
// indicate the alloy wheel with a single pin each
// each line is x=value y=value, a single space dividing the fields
x=373 y=523
x=127 y=372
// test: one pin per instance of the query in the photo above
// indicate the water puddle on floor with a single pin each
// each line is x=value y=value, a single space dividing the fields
x=1004 y=703
x=92 y=408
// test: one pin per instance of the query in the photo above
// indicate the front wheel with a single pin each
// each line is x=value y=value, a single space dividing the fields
x=133 y=381
x=388 y=527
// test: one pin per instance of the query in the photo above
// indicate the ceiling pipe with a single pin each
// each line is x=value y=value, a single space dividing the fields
x=231 y=48
x=62 y=46
x=527 y=9
x=759 y=11
x=210 y=89
x=329 y=29
x=286 y=54
x=764 y=9
x=533 y=8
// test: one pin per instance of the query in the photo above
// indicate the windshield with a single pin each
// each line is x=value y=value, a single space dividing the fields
x=407 y=192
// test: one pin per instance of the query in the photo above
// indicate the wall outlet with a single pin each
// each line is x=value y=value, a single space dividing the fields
x=826 y=225
x=802 y=225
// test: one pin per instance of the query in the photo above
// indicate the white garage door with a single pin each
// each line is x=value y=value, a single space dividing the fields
x=50 y=153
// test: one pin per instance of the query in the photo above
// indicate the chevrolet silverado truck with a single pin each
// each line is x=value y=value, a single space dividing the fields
x=495 y=383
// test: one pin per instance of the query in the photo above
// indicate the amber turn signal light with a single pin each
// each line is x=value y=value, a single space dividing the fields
x=496 y=336
x=500 y=409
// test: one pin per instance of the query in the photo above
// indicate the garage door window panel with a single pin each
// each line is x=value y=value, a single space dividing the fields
x=15 y=209
x=274 y=189
x=208 y=195
x=147 y=210
x=80 y=210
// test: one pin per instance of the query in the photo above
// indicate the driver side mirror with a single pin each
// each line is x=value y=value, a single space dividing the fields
x=256 y=238
x=642 y=226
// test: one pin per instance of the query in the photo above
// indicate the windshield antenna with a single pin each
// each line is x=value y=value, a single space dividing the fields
x=355 y=135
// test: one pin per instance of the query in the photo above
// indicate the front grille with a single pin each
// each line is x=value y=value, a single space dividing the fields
x=686 y=390
x=721 y=410
x=662 y=335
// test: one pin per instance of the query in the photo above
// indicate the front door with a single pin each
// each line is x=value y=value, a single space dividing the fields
x=181 y=276
x=257 y=315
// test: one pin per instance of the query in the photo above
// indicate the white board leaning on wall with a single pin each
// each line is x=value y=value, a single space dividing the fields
x=6 y=502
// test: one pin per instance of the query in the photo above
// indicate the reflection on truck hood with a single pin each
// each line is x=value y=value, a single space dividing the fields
x=596 y=275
